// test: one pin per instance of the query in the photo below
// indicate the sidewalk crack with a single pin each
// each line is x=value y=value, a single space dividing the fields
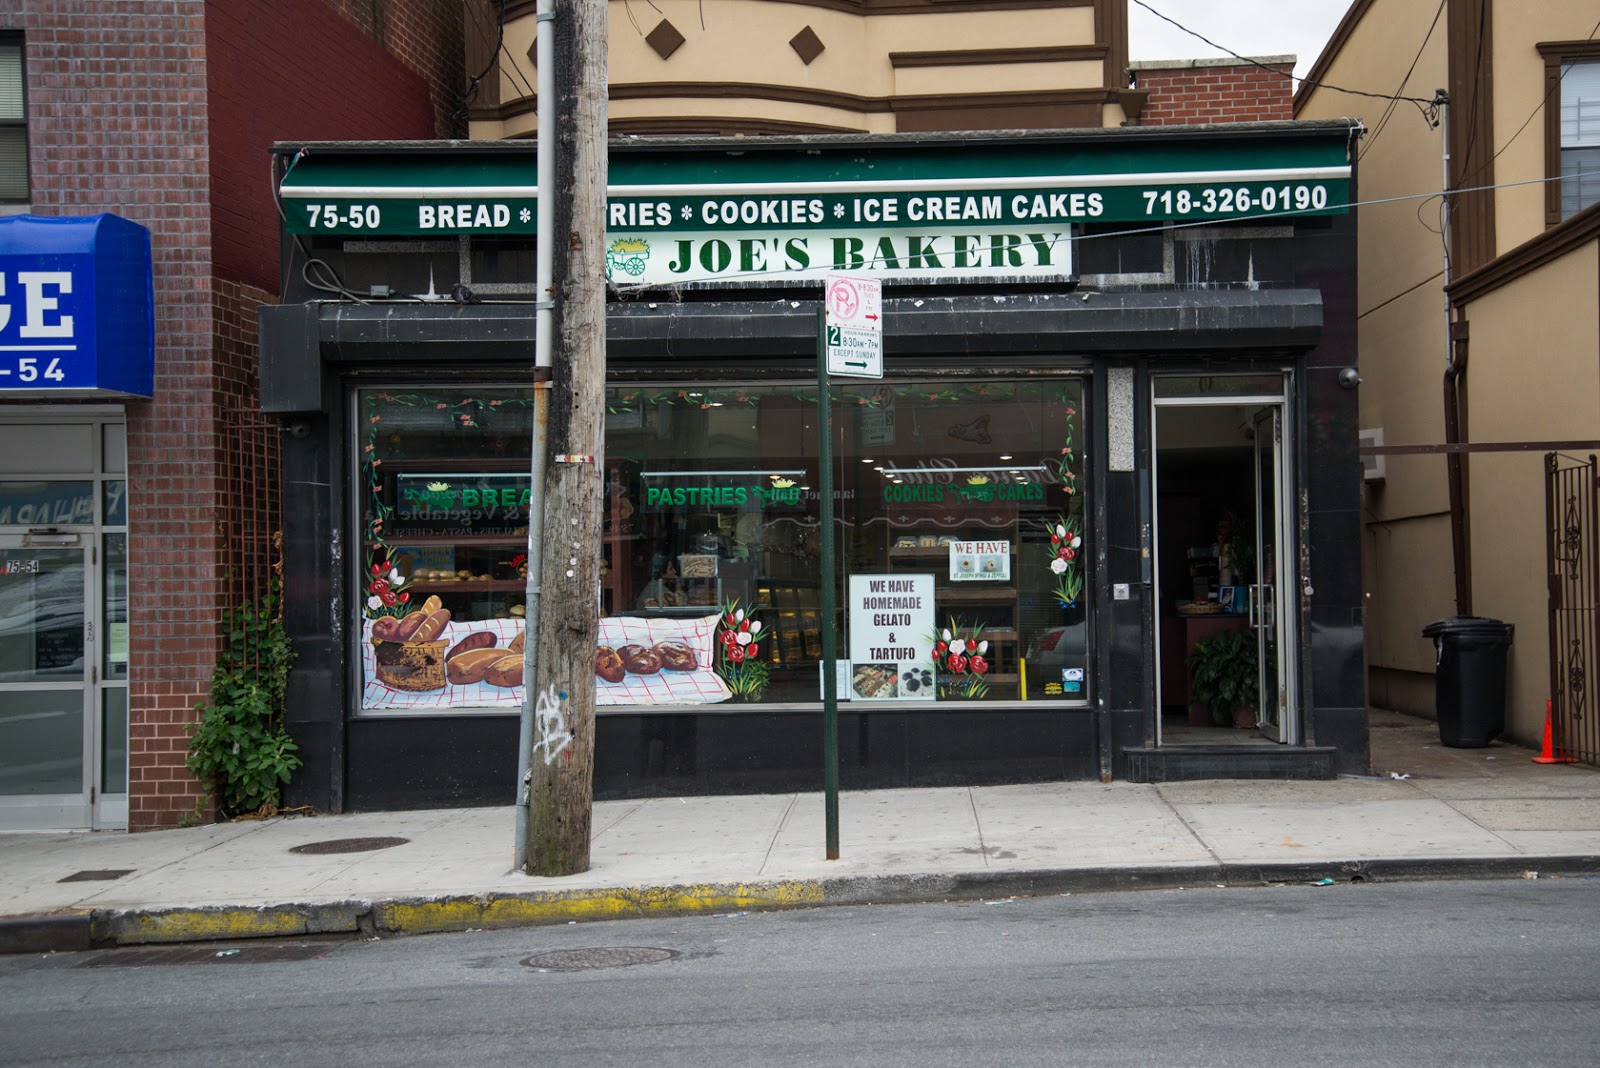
x=1190 y=828
x=983 y=847
x=772 y=843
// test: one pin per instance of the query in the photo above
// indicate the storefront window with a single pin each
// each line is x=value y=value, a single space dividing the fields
x=960 y=544
x=962 y=501
x=444 y=515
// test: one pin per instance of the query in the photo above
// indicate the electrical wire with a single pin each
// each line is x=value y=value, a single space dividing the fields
x=1389 y=109
x=1273 y=70
x=470 y=96
x=1163 y=227
x=331 y=282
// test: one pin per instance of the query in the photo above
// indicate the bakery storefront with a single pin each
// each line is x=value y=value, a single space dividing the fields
x=1110 y=428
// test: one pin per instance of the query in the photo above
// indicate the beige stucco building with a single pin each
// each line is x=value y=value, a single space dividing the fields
x=1516 y=367
x=748 y=67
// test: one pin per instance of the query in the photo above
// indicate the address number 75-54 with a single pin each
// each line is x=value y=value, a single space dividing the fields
x=28 y=370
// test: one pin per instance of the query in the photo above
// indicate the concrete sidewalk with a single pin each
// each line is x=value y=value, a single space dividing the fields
x=1458 y=813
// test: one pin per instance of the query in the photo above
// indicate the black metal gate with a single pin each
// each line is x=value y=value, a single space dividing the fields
x=1572 y=546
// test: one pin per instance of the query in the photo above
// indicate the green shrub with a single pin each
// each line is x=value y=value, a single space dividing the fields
x=239 y=748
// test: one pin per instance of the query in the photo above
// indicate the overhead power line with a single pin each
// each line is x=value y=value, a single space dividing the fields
x=1273 y=70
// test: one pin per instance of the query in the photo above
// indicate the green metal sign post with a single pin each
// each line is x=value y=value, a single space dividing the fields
x=830 y=682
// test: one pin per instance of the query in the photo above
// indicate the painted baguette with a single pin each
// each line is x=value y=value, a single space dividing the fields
x=507 y=671
x=478 y=639
x=432 y=627
x=466 y=668
x=408 y=625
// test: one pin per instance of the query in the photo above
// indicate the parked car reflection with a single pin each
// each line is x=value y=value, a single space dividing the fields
x=41 y=616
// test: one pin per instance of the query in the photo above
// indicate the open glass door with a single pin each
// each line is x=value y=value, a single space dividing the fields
x=46 y=732
x=1272 y=595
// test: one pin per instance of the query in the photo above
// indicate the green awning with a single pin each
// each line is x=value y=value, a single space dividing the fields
x=941 y=185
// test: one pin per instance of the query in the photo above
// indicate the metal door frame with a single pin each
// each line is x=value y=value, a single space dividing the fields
x=66 y=810
x=1281 y=724
x=92 y=808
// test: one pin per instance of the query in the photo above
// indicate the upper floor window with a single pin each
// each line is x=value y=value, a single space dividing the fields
x=1572 y=127
x=13 y=124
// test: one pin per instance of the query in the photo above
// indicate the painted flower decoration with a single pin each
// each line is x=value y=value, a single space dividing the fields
x=960 y=658
x=386 y=589
x=1065 y=543
x=739 y=660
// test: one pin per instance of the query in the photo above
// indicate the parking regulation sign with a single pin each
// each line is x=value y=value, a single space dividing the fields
x=854 y=326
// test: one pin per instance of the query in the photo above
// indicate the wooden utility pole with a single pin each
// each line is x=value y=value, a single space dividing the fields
x=561 y=790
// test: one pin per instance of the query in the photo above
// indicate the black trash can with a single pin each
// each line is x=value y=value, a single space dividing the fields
x=1470 y=678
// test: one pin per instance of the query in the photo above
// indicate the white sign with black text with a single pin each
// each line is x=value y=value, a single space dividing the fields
x=891 y=638
x=980 y=561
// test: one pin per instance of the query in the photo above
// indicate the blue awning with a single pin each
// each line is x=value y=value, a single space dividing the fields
x=77 y=307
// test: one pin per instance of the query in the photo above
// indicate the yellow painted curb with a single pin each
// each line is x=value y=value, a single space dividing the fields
x=221 y=924
x=604 y=904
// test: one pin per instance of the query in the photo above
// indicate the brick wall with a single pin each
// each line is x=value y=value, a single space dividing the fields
x=116 y=110
x=1206 y=91
x=425 y=35
x=162 y=111
x=294 y=70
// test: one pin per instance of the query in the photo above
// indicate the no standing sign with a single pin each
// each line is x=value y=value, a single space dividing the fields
x=854 y=326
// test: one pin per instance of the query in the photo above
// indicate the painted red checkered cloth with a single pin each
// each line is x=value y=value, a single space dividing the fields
x=703 y=686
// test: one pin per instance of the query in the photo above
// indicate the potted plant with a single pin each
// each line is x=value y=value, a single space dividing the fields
x=1224 y=676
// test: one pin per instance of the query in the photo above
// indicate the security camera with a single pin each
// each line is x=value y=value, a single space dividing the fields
x=1349 y=378
x=298 y=429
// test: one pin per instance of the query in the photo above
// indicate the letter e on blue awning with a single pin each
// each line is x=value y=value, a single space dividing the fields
x=77 y=307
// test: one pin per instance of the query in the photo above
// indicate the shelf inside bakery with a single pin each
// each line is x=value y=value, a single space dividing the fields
x=975 y=593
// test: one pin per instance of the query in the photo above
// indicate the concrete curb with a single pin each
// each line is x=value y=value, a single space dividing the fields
x=420 y=915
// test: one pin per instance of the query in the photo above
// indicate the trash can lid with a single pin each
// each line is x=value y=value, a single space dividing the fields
x=1476 y=625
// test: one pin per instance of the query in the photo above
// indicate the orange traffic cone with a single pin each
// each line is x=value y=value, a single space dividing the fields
x=1548 y=755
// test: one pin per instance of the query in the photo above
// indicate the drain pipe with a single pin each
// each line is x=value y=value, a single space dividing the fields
x=1455 y=384
x=543 y=320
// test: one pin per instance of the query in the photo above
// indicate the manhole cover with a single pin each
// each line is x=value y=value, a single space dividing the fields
x=349 y=845
x=577 y=960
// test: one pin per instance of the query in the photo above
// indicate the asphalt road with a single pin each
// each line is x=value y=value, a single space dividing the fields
x=1466 y=973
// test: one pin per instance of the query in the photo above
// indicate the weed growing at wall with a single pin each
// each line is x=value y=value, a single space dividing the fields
x=239 y=748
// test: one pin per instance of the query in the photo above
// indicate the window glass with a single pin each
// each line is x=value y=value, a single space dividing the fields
x=115 y=600
x=13 y=131
x=114 y=740
x=1119 y=248
x=46 y=504
x=41 y=615
x=1174 y=386
x=971 y=492
x=445 y=498
x=1580 y=136
x=116 y=503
